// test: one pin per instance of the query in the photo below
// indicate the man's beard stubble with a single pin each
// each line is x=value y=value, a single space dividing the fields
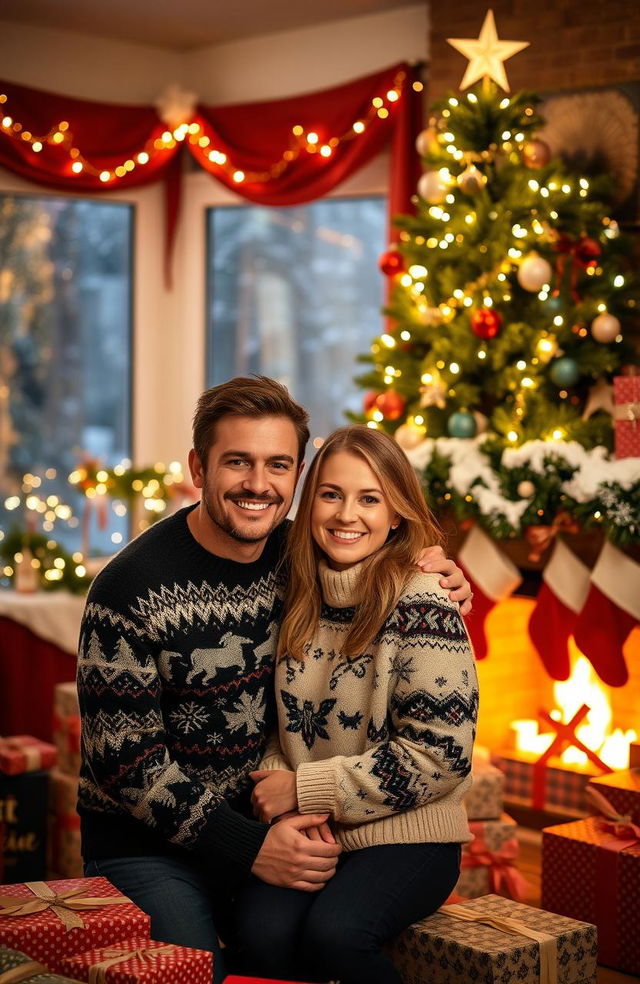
x=223 y=522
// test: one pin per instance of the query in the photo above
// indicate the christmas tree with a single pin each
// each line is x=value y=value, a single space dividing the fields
x=509 y=286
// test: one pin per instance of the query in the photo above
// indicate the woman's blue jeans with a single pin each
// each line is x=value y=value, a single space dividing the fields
x=339 y=932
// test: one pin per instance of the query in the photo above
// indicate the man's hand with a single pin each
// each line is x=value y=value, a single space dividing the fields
x=274 y=793
x=290 y=859
x=433 y=559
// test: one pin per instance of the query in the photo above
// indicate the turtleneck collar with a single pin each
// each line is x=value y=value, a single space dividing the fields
x=340 y=588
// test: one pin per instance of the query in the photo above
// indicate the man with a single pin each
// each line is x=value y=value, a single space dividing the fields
x=175 y=681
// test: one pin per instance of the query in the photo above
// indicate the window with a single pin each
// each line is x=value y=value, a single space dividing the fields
x=65 y=353
x=295 y=293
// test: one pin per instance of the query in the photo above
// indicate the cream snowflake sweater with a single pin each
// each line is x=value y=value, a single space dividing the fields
x=382 y=741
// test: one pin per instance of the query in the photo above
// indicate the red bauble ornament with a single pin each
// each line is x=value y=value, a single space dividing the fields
x=390 y=404
x=391 y=262
x=588 y=252
x=486 y=323
x=369 y=400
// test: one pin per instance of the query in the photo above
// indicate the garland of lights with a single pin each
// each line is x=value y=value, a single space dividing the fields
x=193 y=131
x=537 y=484
x=156 y=486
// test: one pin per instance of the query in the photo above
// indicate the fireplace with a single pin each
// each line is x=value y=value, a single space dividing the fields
x=515 y=688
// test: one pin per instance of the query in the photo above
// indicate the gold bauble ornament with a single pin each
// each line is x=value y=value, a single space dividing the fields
x=427 y=142
x=471 y=181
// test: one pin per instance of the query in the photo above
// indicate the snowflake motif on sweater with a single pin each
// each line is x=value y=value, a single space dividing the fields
x=382 y=741
x=175 y=681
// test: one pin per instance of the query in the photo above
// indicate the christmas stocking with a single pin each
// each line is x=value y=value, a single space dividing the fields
x=565 y=585
x=493 y=578
x=610 y=612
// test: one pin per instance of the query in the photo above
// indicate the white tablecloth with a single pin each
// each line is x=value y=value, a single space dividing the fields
x=54 y=617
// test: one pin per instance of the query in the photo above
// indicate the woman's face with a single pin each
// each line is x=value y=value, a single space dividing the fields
x=350 y=515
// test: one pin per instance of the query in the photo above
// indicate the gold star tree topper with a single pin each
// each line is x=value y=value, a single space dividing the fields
x=486 y=54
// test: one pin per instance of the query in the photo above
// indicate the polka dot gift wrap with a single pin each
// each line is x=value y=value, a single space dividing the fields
x=74 y=915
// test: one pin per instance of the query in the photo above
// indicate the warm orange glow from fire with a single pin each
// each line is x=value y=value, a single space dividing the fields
x=582 y=687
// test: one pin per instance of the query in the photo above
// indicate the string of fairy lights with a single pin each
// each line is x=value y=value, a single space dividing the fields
x=201 y=139
x=37 y=512
x=440 y=188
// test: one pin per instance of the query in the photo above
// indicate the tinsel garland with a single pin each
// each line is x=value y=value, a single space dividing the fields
x=561 y=477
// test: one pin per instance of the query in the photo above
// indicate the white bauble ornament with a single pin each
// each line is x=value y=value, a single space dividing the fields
x=534 y=272
x=409 y=437
x=427 y=141
x=526 y=489
x=605 y=328
x=433 y=187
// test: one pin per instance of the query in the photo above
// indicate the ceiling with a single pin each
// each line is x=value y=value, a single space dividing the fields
x=182 y=25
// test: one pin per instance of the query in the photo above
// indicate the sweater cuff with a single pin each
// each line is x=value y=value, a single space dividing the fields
x=316 y=787
x=233 y=836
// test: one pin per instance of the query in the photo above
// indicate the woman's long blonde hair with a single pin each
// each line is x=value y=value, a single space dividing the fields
x=383 y=578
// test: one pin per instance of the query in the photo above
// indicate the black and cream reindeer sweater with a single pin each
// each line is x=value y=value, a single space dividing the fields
x=383 y=741
x=175 y=680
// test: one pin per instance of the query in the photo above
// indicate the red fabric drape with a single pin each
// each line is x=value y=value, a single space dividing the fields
x=255 y=138
x=30 y=668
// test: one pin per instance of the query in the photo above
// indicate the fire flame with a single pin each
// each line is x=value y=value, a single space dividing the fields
x=582 y=687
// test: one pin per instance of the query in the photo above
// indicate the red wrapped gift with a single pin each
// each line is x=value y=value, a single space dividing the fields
x=489 y=861
x=591 y=872
x=140 y=961
x=53 y=920
x=626 y=395
x=23 y=753
x=622 y=790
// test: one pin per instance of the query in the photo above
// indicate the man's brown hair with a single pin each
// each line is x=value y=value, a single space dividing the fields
x=246 y=396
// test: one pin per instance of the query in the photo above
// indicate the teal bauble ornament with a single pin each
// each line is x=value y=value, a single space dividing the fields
x=462 y=424
x=564 y=372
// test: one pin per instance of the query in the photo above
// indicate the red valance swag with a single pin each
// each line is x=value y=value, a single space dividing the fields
x=280 y=152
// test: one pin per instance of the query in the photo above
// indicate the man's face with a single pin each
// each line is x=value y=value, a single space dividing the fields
x=251 y=475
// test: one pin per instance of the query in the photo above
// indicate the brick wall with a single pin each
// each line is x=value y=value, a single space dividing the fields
x=574 y=43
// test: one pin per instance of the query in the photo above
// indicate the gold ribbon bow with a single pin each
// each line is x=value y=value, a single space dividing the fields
x=618 y=824
x=540 y=537
x=98 y=973
x=548 y=945
x=22 y=972
x=66 y=906
x=627 y=411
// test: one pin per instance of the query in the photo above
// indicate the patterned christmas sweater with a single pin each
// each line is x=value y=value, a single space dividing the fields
x=382 y=741
x=175 y=679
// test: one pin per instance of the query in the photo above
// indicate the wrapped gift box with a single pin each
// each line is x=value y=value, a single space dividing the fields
x=489 y=861
x=485 y=799
x=622 y=790
x=64 y=826
x=564 y=786
x=626 y=396
x=445 y=950
x=12 y=959
x=23 y=753
x=588 y=873
x=23 y=811
x=66 y=727
x=141 y=961
x=76 y=915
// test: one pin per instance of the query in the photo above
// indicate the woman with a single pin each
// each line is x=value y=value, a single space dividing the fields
x=378 y=698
